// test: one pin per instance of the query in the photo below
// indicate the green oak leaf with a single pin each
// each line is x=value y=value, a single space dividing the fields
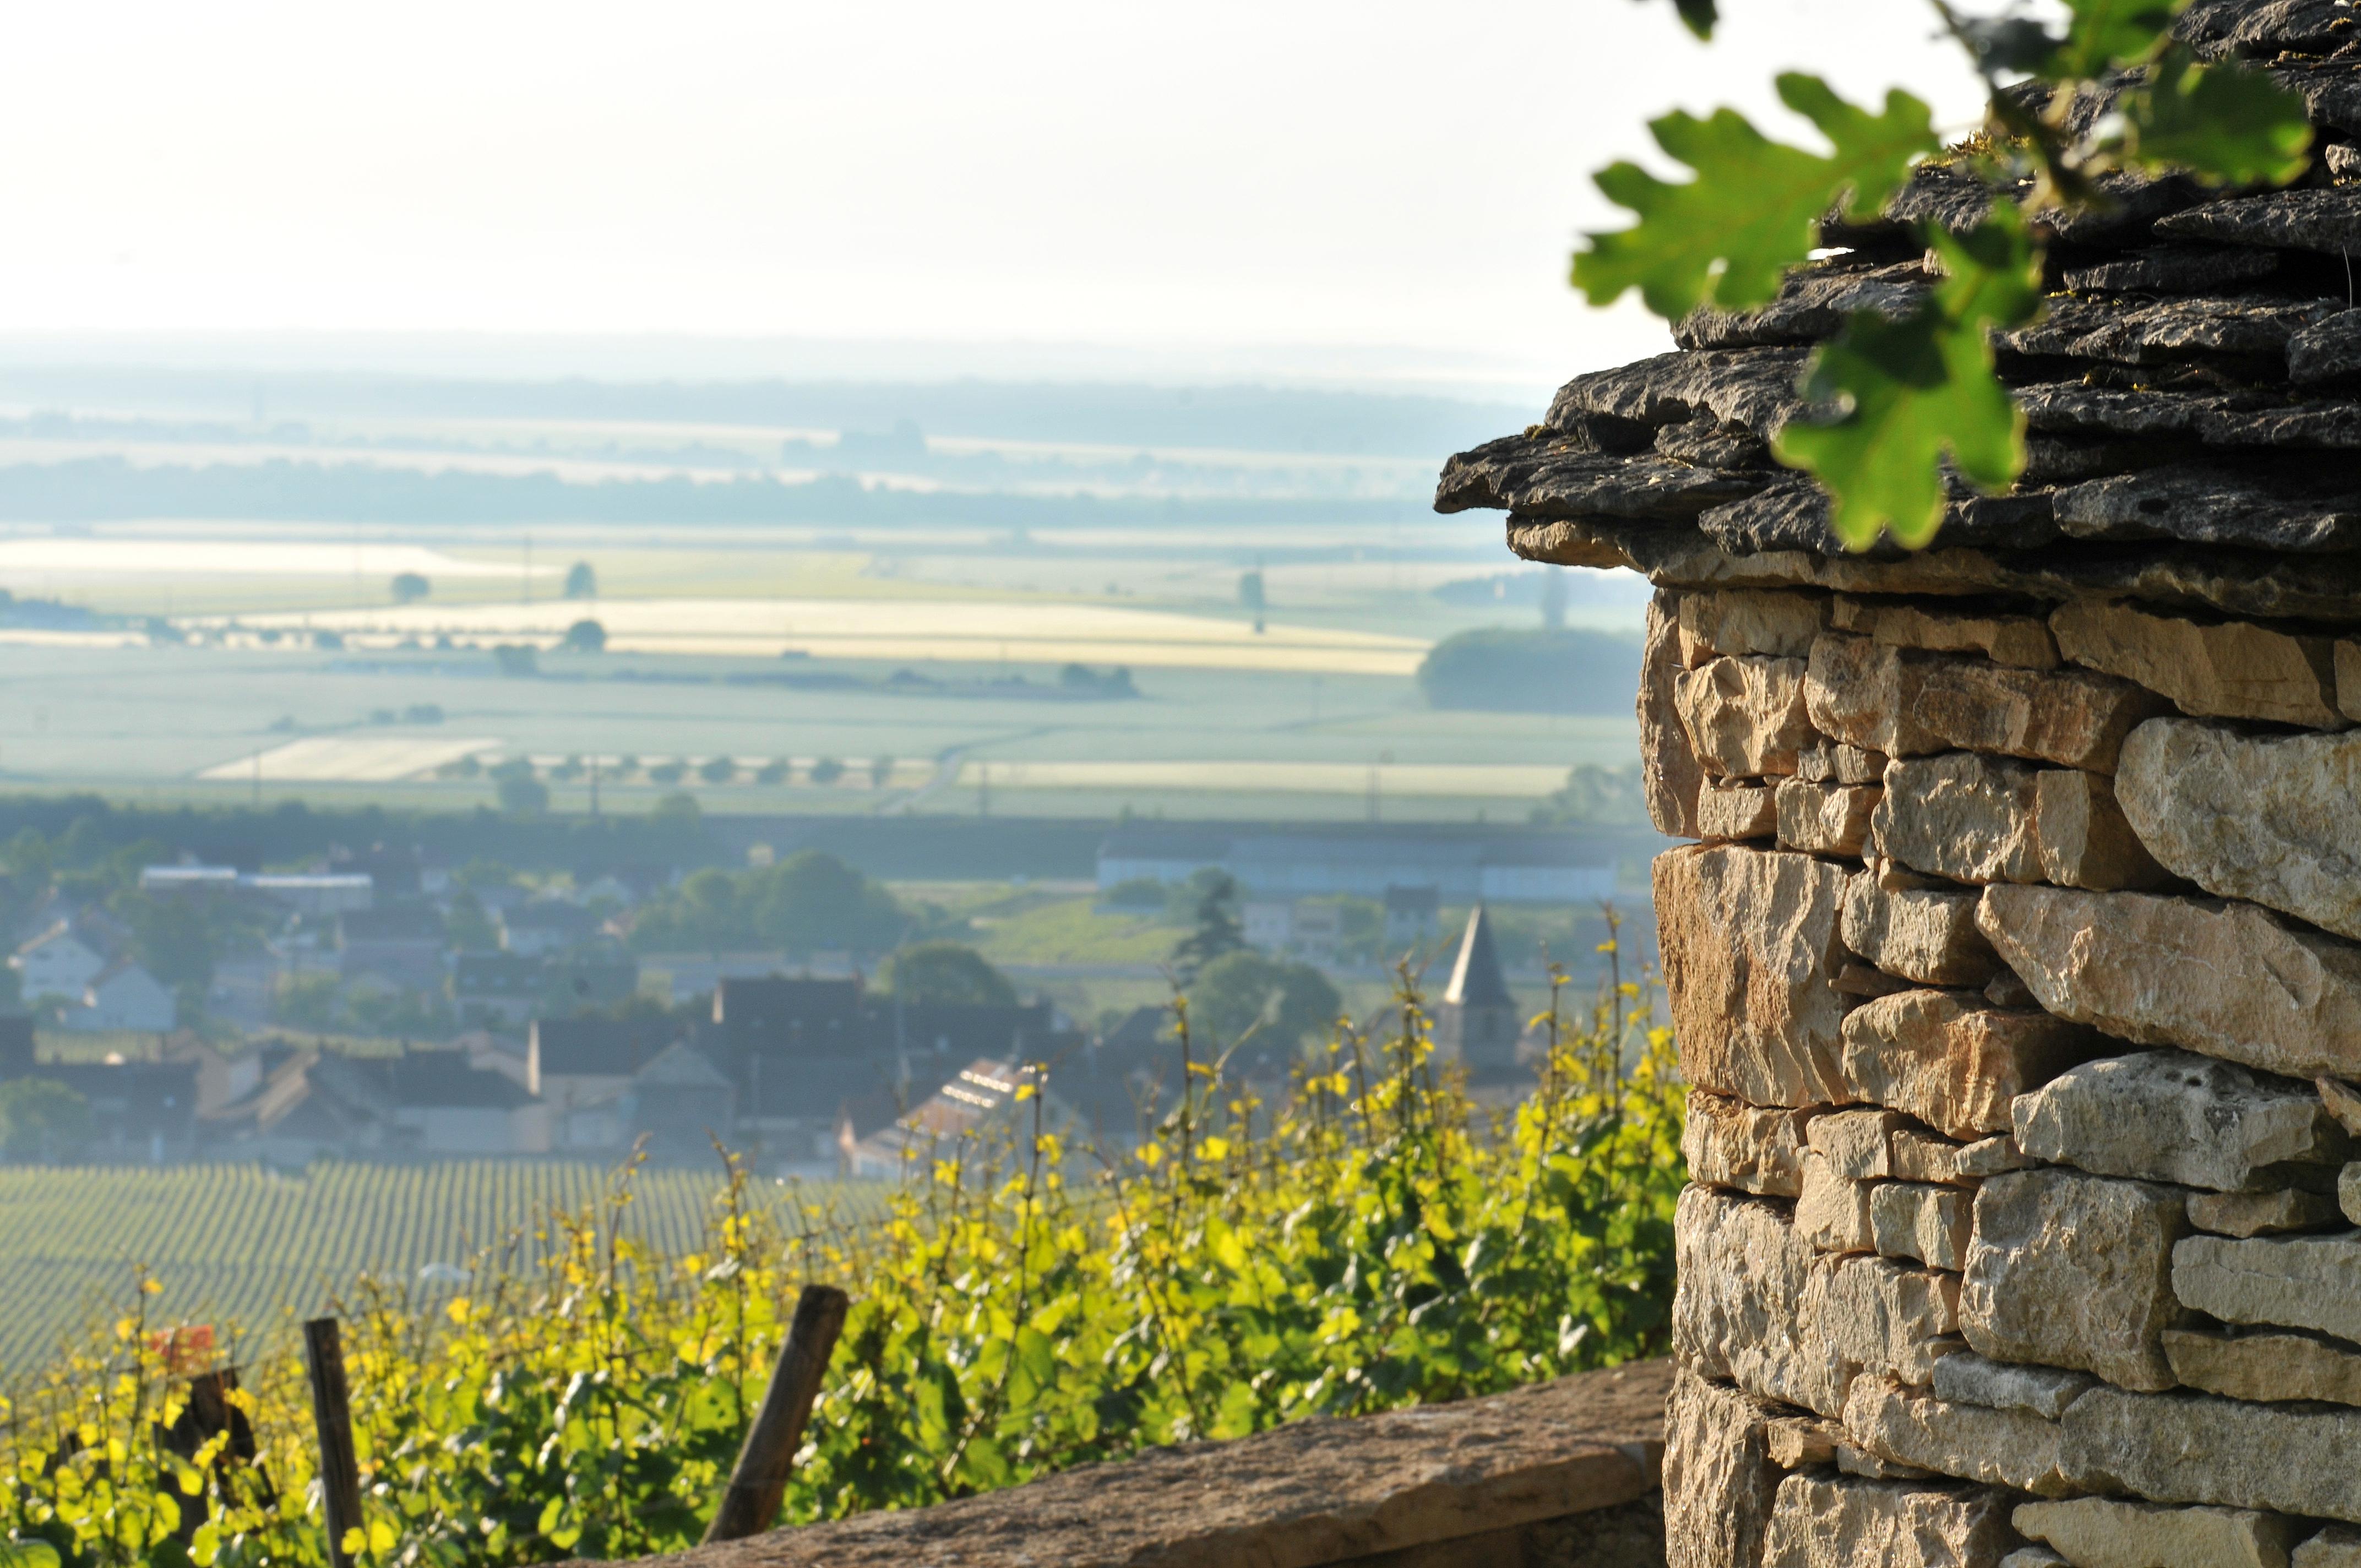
x=1698 y=13
x=1919 y=389
x=1727 y=236
x=2105 y=33
x=2226 y=124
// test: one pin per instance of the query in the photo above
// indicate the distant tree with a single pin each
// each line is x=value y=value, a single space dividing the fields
x=586 y=637
x=410 y=586
x=467 y=928
x=41 y=1119
x=331 y=641
x=524 y=796
x=422 y=713
x=717 y=770
x=774 y=771
x=1250 y=591
x=308 y=1002
x=827 y=771
x=946 y=972
x=175 y=939
x=1509 y=670
x=1215 y=931
x=881 y=769
x=1267 y=1004
x=517 y=659
x=581 y=582
x=676 y=813
x=670 y=773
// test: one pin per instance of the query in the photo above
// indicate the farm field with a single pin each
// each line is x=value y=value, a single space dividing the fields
x=240 y=1244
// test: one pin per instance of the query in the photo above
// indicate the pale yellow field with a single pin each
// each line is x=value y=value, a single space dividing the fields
x=1497 y=779
x=973 y=630
x=350 y=759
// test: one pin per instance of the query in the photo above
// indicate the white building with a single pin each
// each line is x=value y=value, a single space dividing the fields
x=56 y=964
x=124 y=995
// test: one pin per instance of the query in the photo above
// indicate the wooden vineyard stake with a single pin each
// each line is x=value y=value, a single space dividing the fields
x=751 y=1502
x=332 y=1413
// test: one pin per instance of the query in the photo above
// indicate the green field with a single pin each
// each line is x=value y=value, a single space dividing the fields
x=240 y=1245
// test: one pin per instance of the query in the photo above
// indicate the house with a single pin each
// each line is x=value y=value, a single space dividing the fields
x=305 y=892
x=124 y=995
x=982 y=1096
x=1302 y=929
x=681 y=1104
x=502 y=990
x=307 y=1103
x=442 y=1103
x=581 y=1068
x=1477 y=1021
x=400 y=946
x=545 y=926
x=59 y=962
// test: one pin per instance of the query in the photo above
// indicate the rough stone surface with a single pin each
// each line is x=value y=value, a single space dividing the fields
x=2116 y=1533
x=2348 y=679
x=2033 y=1557
x=1974 y=1443
x=2022 y=641
x=1744 y=715
x=1311 y=1492
x=1967 y=1378
x=1758 y=1149
x=1669 y=774
x=1922 y=1222
x=2269 y=1365
x=2327 y=221
x=1856 y=1144
x=2196 y=1448
x=1922 y=1156
x=2175 y=1116
x=1962 y=816
x=2229 y=981
x=2348 y=1192
x=1719 y=1480
x=2262 y=1214
x=1824 y=819
x=2231 y=670
x=1834 y=1521
x=1907 y=702
x=2294 y=1282
x=1832 y=1214
x=1919 y=934
x=2082 y=838
x=1952 y=1062
x=2202 y=501
x=1727 y=811
x=1740 y=621
x=2336 y=1547
x=2274 y=819
x=2074 y=1271
x=2330 y=351
x=2174 y=269
x=1756 y=1306
x=1750 y=945
x=1838 y=762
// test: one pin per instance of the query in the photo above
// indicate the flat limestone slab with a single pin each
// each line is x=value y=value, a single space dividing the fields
x=1312 y=1492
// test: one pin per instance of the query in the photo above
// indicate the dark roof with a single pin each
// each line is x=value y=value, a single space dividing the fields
x=551 y=914
x=1476 y=977
x=390 y=923
x=441 y=1080
x=600 y=1047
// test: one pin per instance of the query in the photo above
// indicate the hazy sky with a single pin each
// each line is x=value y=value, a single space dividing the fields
x=1221 y=172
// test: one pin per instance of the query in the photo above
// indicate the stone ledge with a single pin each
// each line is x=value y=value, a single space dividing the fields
x=1312 y=1493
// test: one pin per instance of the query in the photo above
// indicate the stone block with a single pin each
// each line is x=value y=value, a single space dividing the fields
x=1719 y=1479
x=2348 y=680
x=1839 y=1521
x=2074 y=1271
x=1757 y=1307
x=1832 y=1214
x=2226 y=670
x=2348 y=1191
x=1961 y=816
x=2082 y=837
x=1967 y=1378
x=1670 y=775
x=2291 y=1282
x=1974 y=1443
x=2021 y=641
x=2338 y=1546
x=1922 y=1222
x=1795 y=1442
x=1856 y=1144
x=1908 y=703
x=2267 y=1365
x=2174 y=1116
x=2197 y=1448
x=1753 y=1148
x=1727 y=810
x=1956 y=1064
x=2262 y=1214
x=2229 y=981
x=1835 y=762
x=1750 y=947
x=1922 y=1156
x=1865 y=980
x=1826 y=818
x=2117 y=1533
x=1744 y=717
x=1921 y=935
x=1742 y=622
x=2342 y=1100
x=2274 y=819
x=2033 y=1557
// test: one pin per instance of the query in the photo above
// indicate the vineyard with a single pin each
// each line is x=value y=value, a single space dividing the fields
x=241 y=1242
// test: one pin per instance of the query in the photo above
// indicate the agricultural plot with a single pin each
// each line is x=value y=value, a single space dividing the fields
x=240 y=1245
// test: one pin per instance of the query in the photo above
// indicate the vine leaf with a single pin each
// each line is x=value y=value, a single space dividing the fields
x=1727 y=236
x=1698 y=15
x=2104 y=34
x=2225 y=123
x=1916 y=389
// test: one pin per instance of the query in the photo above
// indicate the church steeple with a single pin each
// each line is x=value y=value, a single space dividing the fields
x=1475 y=979
x=1477 y=1021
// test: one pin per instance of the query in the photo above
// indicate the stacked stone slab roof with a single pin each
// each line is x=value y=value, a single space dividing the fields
x=2017 y=959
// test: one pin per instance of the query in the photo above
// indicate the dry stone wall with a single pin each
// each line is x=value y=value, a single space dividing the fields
x=2015 y=954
